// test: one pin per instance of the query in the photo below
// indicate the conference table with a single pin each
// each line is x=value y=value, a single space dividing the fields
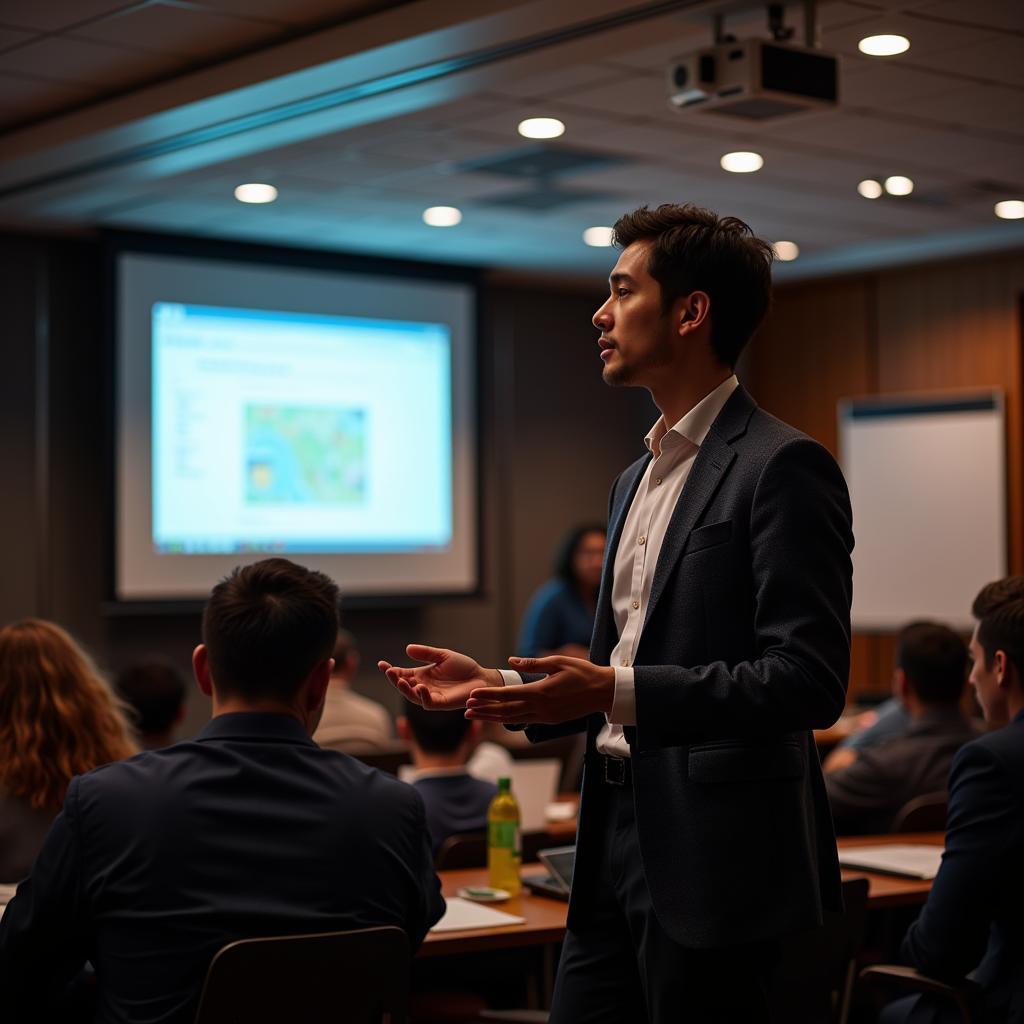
x=545 y=917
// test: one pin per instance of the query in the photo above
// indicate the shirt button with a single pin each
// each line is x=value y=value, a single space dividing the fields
x=636 y=604
x=658 y=480
x=642 y=540
x=625 y=662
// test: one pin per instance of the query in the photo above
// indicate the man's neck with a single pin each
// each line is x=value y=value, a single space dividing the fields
x=230 y=705
x=683 y=392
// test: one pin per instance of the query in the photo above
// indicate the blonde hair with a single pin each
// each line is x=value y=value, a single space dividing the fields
x=58 y=716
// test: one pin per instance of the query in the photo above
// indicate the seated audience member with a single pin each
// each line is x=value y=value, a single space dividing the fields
x=250 y=829
x=888 y=720
x=351 y=723
x=560 y=616
x=442 y=742
x=58 y=718
x=931 y=674
x=973 y=922
x=156 y=692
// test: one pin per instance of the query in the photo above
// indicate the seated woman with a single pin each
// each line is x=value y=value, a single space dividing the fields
x=560 y=616
x=58 y=719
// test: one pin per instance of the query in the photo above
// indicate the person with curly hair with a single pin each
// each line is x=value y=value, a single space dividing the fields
x=58 y=718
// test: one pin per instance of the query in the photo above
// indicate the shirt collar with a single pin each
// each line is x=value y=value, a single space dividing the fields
x=257 y=725
x=694 y=426
x=417 y=774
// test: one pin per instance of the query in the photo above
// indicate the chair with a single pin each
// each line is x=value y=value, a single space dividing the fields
x=469 y=849
x=353 y=977
x=925 y=813
x=813 y=981
x=907 y=981
x=388 y=761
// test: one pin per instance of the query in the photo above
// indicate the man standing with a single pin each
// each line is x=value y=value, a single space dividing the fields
x=722 y=639
x=251 y=829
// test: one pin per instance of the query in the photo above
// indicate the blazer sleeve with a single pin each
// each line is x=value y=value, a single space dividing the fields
x=951 y=934
x=426 y=905
x=802 y=583
x=43 y=932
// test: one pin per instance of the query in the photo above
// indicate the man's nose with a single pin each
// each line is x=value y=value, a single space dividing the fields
x=601 y=318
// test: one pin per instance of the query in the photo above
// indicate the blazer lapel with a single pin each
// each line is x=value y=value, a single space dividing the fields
x=713 y=460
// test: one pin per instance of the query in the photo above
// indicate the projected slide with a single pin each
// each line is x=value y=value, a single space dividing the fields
x=288 y=432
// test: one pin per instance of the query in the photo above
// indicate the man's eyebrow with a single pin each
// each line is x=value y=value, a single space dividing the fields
x=620 y=277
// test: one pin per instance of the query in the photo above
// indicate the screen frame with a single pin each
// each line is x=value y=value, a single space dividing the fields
x=117 y=243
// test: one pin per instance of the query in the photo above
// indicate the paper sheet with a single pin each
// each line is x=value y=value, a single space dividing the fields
x=462 y=914
x=906 y=859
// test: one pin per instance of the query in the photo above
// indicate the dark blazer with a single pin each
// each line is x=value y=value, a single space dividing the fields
x=974 y=917
x=745 y=649
x=157 y=862
x=867 y=795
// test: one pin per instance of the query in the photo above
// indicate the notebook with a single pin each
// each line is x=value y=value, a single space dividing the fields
x=461 y=914
x=908 y=860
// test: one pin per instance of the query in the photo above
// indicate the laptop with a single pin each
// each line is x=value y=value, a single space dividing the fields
x=559 y=861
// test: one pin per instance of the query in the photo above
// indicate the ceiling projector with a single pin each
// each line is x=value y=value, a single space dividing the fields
x=754 y=79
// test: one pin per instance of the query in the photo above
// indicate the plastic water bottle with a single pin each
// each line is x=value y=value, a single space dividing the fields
x=503 y=849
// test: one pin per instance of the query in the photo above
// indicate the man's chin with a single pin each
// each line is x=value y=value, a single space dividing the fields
x=615 y=376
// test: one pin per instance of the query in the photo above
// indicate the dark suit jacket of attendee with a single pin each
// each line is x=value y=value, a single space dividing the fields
x=157 y=862
x=867 y=795
x=974 y=917
x=22 y=831
x=454 y=803
x=745 y=649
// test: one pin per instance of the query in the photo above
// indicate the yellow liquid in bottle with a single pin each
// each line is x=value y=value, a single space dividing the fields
x=503 y=849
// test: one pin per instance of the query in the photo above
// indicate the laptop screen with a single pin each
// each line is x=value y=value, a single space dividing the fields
x=559 y=860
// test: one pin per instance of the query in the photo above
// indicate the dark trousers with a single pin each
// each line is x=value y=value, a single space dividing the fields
x=619 y=967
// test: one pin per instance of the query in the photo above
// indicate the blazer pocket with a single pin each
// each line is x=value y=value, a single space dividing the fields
x=709 y=536
x=745 y=762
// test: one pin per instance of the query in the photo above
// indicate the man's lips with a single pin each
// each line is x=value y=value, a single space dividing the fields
x=607 y=347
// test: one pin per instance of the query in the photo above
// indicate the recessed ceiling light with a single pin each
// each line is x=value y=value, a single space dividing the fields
x=883 y=46
x=869 y=188
x=742 y=163
x=442 y=216
x=598 y=236
x=786 y=251
x=541 y=128
x=255 y=192
x=1010 y=209
x=897 y=185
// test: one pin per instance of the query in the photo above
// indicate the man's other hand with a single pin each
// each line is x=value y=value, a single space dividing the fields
x=573 y=687
x=445 y=683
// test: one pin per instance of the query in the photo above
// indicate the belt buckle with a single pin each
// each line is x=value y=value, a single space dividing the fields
x=614 y=770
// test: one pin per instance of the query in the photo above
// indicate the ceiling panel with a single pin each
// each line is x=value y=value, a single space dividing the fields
x=55 y=15
x=1000 y=14
x=998 y=56
x=14 y=36
x=184 y=31
x=301 y=12
x=77 y=60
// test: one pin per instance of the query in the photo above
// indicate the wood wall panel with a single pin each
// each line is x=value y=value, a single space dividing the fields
x=937 y=327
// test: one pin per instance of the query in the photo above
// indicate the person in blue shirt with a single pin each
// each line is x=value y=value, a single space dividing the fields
x=560 y=616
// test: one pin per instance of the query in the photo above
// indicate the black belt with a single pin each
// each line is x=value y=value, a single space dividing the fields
x=616 y=771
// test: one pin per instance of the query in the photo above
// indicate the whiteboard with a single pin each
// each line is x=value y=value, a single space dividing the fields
x=927 y=479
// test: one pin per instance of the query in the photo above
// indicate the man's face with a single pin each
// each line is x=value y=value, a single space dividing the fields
x=637 y=336
x=588 y=558
x=991 y=696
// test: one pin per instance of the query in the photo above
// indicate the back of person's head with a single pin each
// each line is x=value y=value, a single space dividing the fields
x=564 y=565
x=58 y=716
x=692 y=249
x=437 y=732
x=266 y=626
x=346 y=652
x=156 y=692
x=934 y=660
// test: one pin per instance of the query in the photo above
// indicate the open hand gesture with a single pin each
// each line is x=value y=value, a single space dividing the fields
x=443 y=684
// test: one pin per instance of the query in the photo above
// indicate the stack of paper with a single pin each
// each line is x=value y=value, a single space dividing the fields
x=462 y=914
x=908 y=860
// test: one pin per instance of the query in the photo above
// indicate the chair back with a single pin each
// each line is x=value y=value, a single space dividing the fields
x=353 y=977
x=388 y=761
x=814 y=978
x=462 y=850
x=925 y=813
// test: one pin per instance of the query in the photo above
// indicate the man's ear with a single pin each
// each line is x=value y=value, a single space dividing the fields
x=317 y=682
x=201 y=670
x=402 y=728
x=693 y=310
x=900 y=686
x=1002 y=670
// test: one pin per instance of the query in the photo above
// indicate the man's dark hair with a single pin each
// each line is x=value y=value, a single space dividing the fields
x=996 y=593
x=437 y=732
x=267 y=625
x=934 y=660
x=1002 y=629
x=156 y=692
x=693 y=249
x=566 y=550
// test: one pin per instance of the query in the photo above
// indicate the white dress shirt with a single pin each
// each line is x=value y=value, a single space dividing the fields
x=640 y=543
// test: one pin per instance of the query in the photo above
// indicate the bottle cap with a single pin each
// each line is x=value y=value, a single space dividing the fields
x=504 y=785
